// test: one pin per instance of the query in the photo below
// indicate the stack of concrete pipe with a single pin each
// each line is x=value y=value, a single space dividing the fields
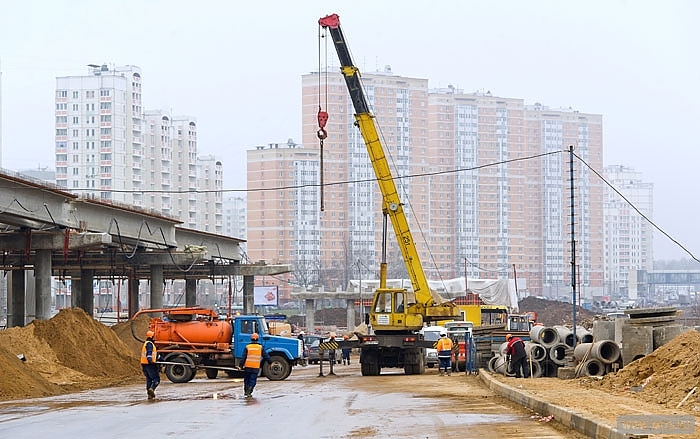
x=596 y=359
x=550 y=348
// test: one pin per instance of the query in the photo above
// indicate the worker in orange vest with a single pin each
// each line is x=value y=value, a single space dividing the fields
x=149 y=356
x=444 y=348
x=252 y=358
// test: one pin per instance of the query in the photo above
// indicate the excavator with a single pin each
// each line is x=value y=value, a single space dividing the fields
x=397 y=314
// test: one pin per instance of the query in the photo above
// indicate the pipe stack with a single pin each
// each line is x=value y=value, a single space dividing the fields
x=551 y=347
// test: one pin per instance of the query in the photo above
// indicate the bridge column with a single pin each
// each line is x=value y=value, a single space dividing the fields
x=42 y=284
x=190 y=292
x=75 y=294
x=310 y=317
x=87 y=293
x=156 y=286
x=351 y=314
x=15 y=299
x=133 y=300
x=248 y=294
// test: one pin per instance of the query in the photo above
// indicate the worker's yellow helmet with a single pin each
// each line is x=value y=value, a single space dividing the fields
x=150 y=334
x=254 y=336
x=509 y=336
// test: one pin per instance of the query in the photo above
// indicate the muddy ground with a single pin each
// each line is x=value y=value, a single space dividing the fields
x=73 y=352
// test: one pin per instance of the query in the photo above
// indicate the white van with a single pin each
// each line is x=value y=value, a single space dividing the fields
x=432 y=333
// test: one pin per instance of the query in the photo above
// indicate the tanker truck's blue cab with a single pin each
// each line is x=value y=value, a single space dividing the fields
x=284 y=352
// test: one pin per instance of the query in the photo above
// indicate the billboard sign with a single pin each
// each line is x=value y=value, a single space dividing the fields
x=266 y=296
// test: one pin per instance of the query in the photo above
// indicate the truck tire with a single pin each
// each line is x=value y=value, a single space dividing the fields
x=277 y=369
x=370 y=364
x=177 y=373
x=211 y=373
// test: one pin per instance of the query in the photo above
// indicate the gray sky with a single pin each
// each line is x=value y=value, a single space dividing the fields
x=236 y=67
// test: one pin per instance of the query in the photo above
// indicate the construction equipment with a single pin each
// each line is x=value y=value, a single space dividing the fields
x=194 y=338
x=397 y=314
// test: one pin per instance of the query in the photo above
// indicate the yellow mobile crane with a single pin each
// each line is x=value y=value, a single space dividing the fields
x=396 y=315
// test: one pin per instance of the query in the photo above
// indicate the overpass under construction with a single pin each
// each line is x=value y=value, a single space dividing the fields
x=47 y=232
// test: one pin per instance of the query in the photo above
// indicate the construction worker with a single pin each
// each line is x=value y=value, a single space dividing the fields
x=516 y=356
x=345 y=352
x=444 y=348
x=252 y=358
x=149 y=356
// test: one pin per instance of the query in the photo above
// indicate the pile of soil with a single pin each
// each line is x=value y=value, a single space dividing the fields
x=70 y=352
x=663 y=377
x=552 y=312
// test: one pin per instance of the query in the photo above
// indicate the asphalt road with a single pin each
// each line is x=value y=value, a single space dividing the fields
x=303 y=406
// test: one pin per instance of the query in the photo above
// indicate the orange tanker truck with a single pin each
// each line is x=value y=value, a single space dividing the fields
x=194 y=338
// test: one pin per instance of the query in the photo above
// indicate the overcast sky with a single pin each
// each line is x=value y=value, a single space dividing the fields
x=236 y=67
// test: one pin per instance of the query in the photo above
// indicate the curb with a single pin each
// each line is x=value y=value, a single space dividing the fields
x=564 y=416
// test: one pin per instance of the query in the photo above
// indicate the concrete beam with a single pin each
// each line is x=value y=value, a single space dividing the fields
x=218 y=246
x=53 y=240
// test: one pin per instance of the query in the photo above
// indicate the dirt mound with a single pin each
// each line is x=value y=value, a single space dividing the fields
x=123 y=331
x=552 y=312
x=665 y=376
x=69 y=352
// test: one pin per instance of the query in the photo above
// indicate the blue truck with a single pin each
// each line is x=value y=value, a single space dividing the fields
x=194 y=338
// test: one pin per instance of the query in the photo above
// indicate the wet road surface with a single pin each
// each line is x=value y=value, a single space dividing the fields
x=303 y=406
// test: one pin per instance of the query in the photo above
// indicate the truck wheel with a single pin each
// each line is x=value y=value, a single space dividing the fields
x=277 y=369
x=370 y=364
x=180 y=373
x=211 y=373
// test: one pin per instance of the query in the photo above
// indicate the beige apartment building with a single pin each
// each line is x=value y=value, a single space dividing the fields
x=485 y=182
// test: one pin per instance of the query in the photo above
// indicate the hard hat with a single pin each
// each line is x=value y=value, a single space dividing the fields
x=301 y=332
x=254 y=336
x=332 y=334
x=509 y=336
x=443 y=334
x=345 y=337
x=150 y=334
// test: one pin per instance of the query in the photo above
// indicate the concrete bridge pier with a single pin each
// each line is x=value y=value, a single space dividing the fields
x=190 y=292
x=156 y=286
x=351 y=313
x=42 y=284
x=310 y=317
x=15 y=298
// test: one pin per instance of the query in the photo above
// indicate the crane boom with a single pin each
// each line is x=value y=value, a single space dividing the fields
x=428 y=304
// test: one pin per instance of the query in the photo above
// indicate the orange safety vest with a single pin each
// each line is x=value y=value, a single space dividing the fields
x=154 y=353
x=444 y=344
x=254 y=356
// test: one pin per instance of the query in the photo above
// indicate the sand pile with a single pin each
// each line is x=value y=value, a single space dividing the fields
x=665 y=376
x=69 y=352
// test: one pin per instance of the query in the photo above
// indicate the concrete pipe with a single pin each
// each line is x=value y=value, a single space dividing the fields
x=492 y=364
x=607 y=351
x=549 y=337
x=549 y=369
x=499 y=364
x=536 y=333
x=593 y=368
x=535 y=351
x=502 y=348
x=583 y=335
x=565 y=335
x=536 y=370
x=557 y=353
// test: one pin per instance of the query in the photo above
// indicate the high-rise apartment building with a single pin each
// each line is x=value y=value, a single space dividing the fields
x=485 y=182
x=98 y=133
x=628 y=236
x=235 y=214
x=283 y=211
x=109 y=147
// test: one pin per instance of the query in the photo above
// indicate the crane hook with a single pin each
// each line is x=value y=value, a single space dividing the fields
x=322 y=119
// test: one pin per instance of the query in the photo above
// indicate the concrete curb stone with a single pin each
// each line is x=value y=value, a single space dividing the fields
x=566 y=417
